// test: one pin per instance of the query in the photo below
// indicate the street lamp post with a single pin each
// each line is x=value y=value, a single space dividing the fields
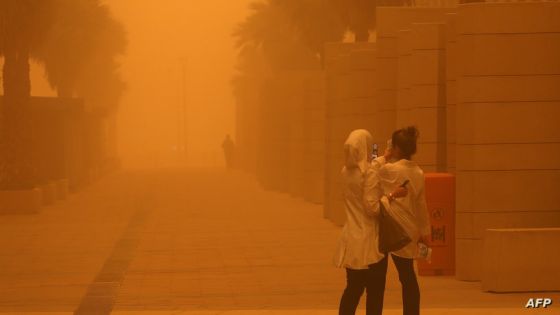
x=182 y=119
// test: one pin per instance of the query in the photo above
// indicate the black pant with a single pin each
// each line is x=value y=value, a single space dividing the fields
x=410 y=289
x=373 y=281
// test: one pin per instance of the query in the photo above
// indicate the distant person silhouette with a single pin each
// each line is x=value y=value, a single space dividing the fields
x=229 y=150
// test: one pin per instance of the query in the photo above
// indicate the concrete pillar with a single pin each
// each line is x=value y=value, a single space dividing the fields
x=251 y=109
x=363 y=82
x=314 y=137
x=113 y=138
x=504 y=270
x=508 y=140
x=352 y=107
x=76 y=146
x=338 y=122
x=436 y=3
x=247 y=97
x=295 y=104
x=272 y=162
x=387 y=61
x=282 y=115
x=333 y=52
x=390 y=20
x=451 y=87
x=404 y=66
x=282 y=136
x=427 y=89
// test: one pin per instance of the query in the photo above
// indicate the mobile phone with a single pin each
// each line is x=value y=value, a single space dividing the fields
x=375 y=151
x=405 y=183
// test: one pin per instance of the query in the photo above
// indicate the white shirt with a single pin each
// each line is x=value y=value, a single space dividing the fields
x=357 y=247
x=410 y=211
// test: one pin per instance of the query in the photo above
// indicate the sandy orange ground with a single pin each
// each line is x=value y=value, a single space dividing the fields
x=195 y=242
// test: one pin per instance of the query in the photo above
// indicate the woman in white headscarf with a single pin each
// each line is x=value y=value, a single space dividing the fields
x=358 y=246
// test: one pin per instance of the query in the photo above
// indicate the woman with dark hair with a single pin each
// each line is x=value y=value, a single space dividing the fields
x=410 y=211
x=358 y=248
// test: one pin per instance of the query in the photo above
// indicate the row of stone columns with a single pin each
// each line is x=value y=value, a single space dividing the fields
x=314 y=124
x=480 y=81
x=482 y=89
x=246 y=95
x=411 y=61
x=351 y=81
x=69 y=146
x=280 y=131
x=507 y=135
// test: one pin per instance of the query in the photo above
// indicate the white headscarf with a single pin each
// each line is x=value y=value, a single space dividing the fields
x=356 y=149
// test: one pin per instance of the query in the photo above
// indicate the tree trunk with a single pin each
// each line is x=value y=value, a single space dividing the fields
x=16 y=160
x=64 y=89
x=362 y=35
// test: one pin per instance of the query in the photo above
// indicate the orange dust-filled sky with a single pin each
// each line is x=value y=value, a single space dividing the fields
x=167 y=38
x=164 y=38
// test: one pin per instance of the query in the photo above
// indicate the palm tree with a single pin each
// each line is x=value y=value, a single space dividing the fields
x=23 y=24
x=317 y=22
x=102 y=87
x=79 y=52
x=270 y=30
x=358 y=16
x=79 y=55
x=100 y=83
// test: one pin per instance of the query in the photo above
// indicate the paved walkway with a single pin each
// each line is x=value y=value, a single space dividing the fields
x=194 y=242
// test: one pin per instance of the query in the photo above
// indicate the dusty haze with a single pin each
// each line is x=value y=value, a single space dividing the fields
x=193 y=224
x=161 y=40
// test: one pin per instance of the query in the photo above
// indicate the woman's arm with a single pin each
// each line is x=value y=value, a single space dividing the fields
x=372 y=187
x=373 y=192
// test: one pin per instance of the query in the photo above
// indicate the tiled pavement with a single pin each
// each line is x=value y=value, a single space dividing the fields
x=194 y=242
x=439 y=311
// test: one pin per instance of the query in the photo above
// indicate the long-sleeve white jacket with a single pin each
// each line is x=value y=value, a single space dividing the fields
x=410 y=211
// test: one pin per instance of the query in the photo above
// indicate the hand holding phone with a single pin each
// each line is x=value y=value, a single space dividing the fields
x=401 y=191
x=374 y=152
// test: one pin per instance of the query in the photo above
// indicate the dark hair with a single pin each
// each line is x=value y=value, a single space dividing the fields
x=405 y=140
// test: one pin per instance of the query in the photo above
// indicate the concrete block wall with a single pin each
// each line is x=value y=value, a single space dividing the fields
x=489 y=74
x=436 y=3
x=338 y=122
x=286 y=124
x=363 y=80
x=387 y=61
x=334 y=88
x=294 y=103
x=314 y=152
x=508 y=140
x=61 y=142
x=404 y=98
x=281 y=145
x=306 y=103
x=246 y=112
x=390 y=21
x=521 y=260
x=451 y=87
x=351 y=106
x=427 y=94
x=274 y=136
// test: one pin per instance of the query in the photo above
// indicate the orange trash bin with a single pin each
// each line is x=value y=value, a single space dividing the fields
x=440 y=198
